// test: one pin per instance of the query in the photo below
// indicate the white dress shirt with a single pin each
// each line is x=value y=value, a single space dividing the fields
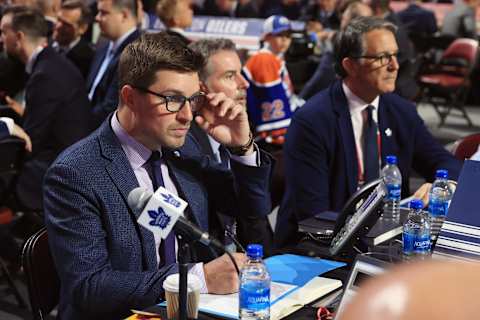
x=356 y=107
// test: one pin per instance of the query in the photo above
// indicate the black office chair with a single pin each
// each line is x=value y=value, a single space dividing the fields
x=42 y=278
x=12 y=152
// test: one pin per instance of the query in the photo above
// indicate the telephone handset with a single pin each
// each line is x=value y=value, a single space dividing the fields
x=353 y=223
x=354 y=202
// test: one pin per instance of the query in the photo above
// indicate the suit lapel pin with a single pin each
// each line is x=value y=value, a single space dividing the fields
x=388 y=132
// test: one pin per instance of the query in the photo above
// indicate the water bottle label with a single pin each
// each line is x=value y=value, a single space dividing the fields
x=418 y=243
x=254 y=297
x=422 y=243
x=394 y=191
x=438 y=207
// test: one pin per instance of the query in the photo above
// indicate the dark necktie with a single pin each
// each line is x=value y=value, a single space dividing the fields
x=167 y=246
x=224 y=158
x=370 y=147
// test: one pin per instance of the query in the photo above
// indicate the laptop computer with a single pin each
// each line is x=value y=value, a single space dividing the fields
x=364 y=267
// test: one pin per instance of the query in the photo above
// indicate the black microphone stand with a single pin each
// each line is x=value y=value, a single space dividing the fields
x=183 y=252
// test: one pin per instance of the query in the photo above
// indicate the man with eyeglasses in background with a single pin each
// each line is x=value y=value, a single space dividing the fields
x=339 y=139
x=107 y=262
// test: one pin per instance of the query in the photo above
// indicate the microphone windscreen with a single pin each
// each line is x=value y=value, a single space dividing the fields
x=138 y=198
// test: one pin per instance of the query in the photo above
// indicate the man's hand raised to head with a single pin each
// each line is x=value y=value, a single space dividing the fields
x=225 y=120
x=220 y=274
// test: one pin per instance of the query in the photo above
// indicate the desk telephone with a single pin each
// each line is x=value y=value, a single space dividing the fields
x=353 y=223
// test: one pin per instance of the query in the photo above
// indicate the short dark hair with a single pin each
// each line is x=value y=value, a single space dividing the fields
x=209 y=47
x=350 y=41
x=31 y=22
x=85 y=12
x=153 y=52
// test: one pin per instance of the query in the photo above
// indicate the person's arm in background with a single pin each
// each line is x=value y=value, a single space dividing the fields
x=8 y=127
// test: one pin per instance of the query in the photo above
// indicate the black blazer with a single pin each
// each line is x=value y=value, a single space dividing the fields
x=82 y=56
x=57 y=114
x=105 y=98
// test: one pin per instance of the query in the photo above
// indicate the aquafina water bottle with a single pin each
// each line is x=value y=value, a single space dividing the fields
x=416 y=232
x=254 y=293
x=393 y=181
x=440 y=196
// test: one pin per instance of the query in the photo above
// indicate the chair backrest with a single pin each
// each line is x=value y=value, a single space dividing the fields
x=460 y=57
x=466 y=147
x=463 y=48
x=42 y=278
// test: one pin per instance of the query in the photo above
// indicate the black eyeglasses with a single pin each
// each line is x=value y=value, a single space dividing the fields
x=176 y=102
x=384 y=58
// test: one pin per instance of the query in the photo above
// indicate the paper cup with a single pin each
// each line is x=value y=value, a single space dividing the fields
x=171 y=287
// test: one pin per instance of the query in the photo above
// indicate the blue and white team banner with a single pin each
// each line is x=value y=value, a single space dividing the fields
x=246 y=33
x=459 y=237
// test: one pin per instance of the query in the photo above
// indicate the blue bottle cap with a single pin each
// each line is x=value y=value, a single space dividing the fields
x=442 y=173
x=255 y=251
x=416 y=204
x=391 y=159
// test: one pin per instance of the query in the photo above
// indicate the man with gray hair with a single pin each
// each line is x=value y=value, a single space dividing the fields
x=222 y=73
x=339 y=139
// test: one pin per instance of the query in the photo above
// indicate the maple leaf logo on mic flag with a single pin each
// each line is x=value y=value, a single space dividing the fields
x=159 y=218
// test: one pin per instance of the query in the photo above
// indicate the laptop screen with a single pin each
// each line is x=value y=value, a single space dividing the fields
x=364 y=267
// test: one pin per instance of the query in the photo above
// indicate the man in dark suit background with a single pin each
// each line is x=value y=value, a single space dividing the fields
x=56 y=106
x=222 y=73
x=118 y=23
x=107 y=262
x=328 y=152
x=417 y=19
x=74 y=18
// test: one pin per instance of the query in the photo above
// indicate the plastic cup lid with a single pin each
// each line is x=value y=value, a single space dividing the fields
x=171 y=284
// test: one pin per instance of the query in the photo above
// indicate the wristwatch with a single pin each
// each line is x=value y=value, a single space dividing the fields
x=241 y=150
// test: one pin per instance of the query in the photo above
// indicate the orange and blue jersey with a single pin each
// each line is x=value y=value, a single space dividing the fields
x=268 y=97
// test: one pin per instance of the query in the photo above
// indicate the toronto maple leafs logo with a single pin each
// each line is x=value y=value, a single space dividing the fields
x=159 y=218
x=168 y=198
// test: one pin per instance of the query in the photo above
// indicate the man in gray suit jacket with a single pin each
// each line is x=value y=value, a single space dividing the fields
x=107 y=262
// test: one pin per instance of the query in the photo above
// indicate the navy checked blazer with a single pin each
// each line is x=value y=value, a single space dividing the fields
x=106 y=261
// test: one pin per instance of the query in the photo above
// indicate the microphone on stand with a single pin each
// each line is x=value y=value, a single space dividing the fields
x=162 y=211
